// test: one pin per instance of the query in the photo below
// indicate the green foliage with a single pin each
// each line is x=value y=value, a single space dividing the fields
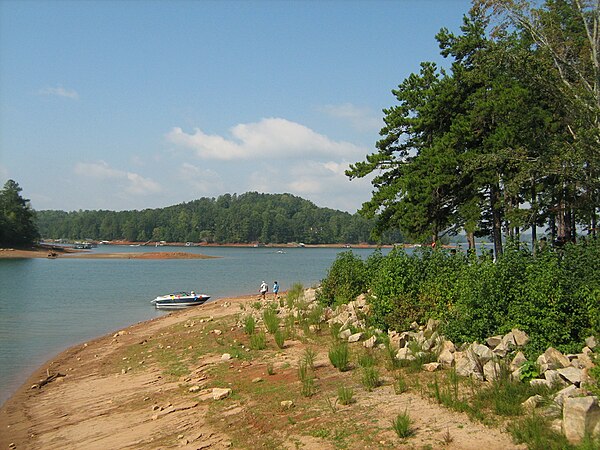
x=293 y=294
x=271 y=320
x=345 y=395
x=17 y=219
x=249 y=324
x=258 y=341
x=279 y=338
x=403 y=425
x=345 y=280
x=529 y=370
x=245 y=218
x=339 y=356
x=535 y=431
x=309 y=357
x=370 y=378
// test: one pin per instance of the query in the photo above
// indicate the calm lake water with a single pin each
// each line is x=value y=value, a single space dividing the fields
x=47 y=306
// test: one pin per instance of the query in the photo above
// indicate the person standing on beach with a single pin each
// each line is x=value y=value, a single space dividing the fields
x=263 y=290
x=276 y=290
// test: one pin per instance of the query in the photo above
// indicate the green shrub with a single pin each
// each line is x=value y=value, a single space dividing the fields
x=271 y=320
x=339 y=355
x=345 y=280
x=258 y=341
x=279 y=338
x=370 y=378
x=345 y=395
x=249 y=325
x=293 y=294
x=402 y=425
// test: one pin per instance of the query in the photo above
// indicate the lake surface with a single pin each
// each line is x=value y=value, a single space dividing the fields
x=49 y=305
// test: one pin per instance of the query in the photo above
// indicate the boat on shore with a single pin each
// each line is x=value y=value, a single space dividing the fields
x=179 y=300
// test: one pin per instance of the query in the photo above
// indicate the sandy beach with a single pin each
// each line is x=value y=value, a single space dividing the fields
x=62 y=252
x=152 y=384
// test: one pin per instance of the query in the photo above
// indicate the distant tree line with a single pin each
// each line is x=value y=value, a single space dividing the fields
x=17 y=219
x=245 y=218
x=507 y=139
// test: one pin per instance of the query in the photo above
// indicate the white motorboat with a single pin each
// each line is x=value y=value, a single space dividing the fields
x=179 y=300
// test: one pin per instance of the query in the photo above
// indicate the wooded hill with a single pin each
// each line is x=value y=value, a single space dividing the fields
x=245 y=218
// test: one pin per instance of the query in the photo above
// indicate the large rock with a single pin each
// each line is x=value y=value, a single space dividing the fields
x=483 y=353
x=518 y=361
x=521 y=338
x=493 y=341
x=568 y=392
x=581 y=416
x=345 y=334
x=491 y=370
x=446 y=358
x=404 y=354
x=467 y=365
x=552 y=359
x=571 y=374
x=220 y=393
x=554 y=378
x=591 y=342
x=355 y=337
x=370 y=343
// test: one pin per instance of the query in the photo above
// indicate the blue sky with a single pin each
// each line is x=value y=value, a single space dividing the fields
x=145 y=104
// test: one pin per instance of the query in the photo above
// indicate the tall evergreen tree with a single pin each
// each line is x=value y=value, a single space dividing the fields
x=17 y=224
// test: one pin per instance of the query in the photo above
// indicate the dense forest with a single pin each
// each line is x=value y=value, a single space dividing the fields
x=17 y=223
x=245 y=218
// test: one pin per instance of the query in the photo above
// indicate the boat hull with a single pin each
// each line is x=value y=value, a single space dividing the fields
x=179 y=301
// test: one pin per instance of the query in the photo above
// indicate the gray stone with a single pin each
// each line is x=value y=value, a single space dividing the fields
x=501 y=350
x=518 y=361
x=581 y=416
x=446 y=358
x=225 y=357
x=370 y=343
x=404 y=354
x=532 y=402
x=220 y=393
x=556 y=359
x=521 y=338
x=287 y=404
x=491 y=370
x=554 y=378
x=467 y=365
x=344 y=334
x=571 y=374
x=591 y=342
x=484 y=354
x=432 y=366
x=432 y=324
x=355 y=337
x=540 y=382
x=568 y=392
x=493 y=341
x=509 y=340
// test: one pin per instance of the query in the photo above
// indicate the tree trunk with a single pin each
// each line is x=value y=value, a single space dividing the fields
x=471 y=241
x=496 y=219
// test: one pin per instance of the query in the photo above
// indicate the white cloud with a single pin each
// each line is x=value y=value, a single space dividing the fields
x=133 y=183
x=203 y=181
x=60 y=92
x=361 y=119
x=270 y=138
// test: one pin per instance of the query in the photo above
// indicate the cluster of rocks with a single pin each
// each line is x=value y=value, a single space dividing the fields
x=486 y=361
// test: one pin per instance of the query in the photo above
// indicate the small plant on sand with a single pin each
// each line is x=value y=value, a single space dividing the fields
x=249 y=325
x=257 y=305
x=370 y=378
x=331 y=404
x=309 y=357
x=345 y=395
x=307 y=378
x=366 y=359
x=334 y=329
x=279 y=338
x=402 y=425
x=400 y=385
x=271 y=320
x=270 y=369
x=339 y=355
x=258 y=341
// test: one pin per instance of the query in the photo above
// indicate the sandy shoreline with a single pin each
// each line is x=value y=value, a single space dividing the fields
x=10 y=253
x=150 y=386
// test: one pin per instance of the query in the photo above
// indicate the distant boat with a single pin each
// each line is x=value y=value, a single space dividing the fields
x=280 y=251
x=179 y=300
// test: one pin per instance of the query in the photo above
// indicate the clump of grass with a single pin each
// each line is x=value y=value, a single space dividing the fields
x=345 y=395
x=370 y=378
x=400 y=385
x=366 y=359
x=270 y=369
x=257 y=305
x=271 y=320
x=536 y=433
x=279 y=338
x=258 y=341
x=306 y=376
x=339 y=356
x=314 y=317
x=293 y=294
x=249 y=325
x=309 y=357
x=403 y=426
x=334 y=329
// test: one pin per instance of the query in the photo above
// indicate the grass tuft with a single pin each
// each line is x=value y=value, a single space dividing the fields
x=339 y=355
x=403 y=426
